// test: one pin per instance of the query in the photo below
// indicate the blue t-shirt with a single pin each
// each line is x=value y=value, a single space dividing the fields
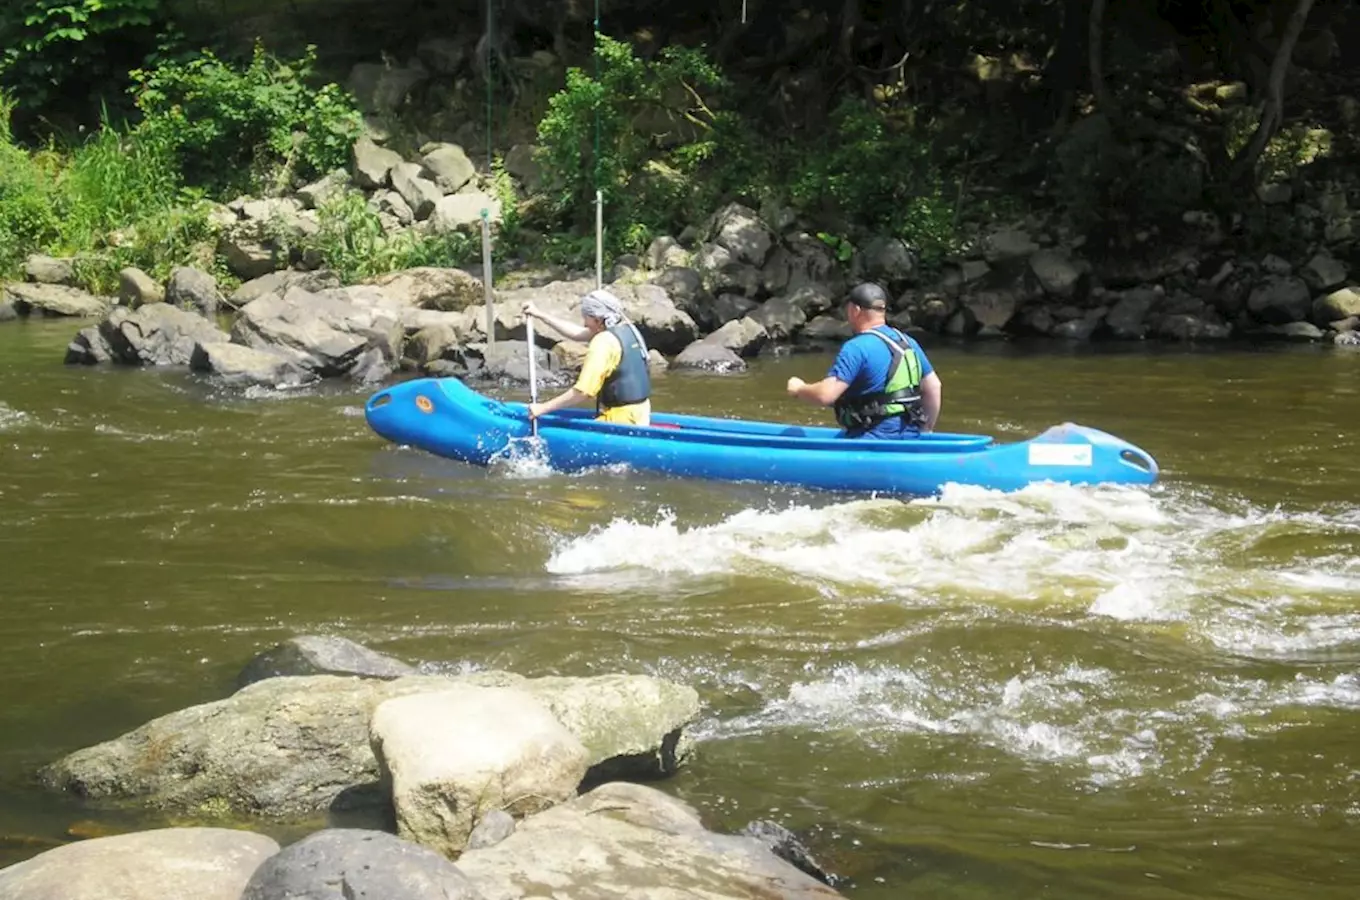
x=864 y=362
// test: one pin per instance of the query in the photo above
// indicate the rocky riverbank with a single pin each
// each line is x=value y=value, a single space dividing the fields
x=709 y=299
x=496 y=784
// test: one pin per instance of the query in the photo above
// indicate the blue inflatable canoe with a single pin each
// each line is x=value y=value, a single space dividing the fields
x=445 y=417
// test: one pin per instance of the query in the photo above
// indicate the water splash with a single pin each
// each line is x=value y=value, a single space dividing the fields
x=11 y=417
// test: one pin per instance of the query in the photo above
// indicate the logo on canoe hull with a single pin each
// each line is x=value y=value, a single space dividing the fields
x=1060 y=454
x=423 y=403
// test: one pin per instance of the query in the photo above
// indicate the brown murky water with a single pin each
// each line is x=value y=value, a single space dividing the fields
x=1085 y=693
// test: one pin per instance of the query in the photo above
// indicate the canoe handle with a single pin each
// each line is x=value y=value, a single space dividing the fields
x=381 y=400
x=1138 y=460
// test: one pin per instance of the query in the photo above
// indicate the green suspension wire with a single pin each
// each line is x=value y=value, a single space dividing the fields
x=490 y=41
x=598 y=97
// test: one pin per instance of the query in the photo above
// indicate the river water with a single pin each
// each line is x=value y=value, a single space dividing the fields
x=1084 y=693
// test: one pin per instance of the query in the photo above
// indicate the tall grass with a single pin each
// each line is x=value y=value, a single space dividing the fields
x=111 y=201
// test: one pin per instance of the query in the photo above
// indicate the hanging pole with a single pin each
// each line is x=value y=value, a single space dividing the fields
x=743 y=12
x=599 y=239
x=487 y=296
x=489 y=41
x=533 y=370
x=599 y=195
x=486 y=279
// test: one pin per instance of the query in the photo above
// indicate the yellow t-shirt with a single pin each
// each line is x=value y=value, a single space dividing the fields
x=603 y=355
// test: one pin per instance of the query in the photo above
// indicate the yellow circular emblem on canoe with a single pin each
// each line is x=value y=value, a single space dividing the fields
x=424 y=403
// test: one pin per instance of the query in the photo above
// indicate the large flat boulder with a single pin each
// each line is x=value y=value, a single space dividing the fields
x=287 y=746
x=627 y=840
x=165 y=864
x=154 y=335
x=54 y=300
x=327 y=333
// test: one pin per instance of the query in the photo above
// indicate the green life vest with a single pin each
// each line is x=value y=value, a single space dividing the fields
x=901 y=396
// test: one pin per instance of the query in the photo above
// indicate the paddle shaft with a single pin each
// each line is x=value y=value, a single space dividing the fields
x=533 y=371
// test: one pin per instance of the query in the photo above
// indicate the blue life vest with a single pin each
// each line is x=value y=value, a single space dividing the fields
x=630 y=382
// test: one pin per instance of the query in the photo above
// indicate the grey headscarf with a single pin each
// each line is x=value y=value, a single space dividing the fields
x=601 y=304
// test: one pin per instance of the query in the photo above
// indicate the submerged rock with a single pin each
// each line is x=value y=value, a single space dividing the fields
x=310 y=654
x=357 y=864
x=198 y=863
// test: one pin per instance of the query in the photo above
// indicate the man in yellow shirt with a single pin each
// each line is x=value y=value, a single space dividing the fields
x=615 y=371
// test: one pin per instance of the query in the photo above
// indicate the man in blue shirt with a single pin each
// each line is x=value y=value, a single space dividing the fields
x=881 y=383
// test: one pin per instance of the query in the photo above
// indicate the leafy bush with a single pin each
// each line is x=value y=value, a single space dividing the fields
x=230 y=125
x=113 y=201
x=878 y=175
x=46 y=43
x=352 y=242
x=641 y=131
x=1105 y=183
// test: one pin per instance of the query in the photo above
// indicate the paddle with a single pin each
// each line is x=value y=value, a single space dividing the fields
x=533 y=371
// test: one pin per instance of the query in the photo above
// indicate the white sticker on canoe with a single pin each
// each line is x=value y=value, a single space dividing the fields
x=1060 y=454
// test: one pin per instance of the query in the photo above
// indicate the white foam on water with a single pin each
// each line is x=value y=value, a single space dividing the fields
x=11 y=417
x=523 y=458
x=1199 y=578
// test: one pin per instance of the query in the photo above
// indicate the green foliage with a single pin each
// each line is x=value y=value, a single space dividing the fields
x=641 y=132
x=351 y=241
x=230 y=125
x=878 y=174
x=44 y=43
x=1105 y=183
x=113 y=201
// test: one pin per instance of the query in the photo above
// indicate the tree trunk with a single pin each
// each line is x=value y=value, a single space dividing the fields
x=850 y=19
x=1065 y=71
x=1272 y=113
x=1094 y=43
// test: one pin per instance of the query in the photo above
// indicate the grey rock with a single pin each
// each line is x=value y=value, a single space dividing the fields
x=739 y=230
x=706 y=356
x=1340 y=304
x=1278 y=300
x=884 y=259
x=290 y=746
x=786 y=845
x=321 y=655
x=522 y=163
x=136 y=288
x=320 y=192
x=1324 y=272
x=373 y=164
x=193 y=289
x=87 y=348
x=358 y=864
x=627 y=840
x=495 y=826
x=44 y=269
x=238 y=365
x=451 y=167
x=7 y=311
x=781 y=317
x=420 y=193
x=460 y=211
x=198 y=863
x=1127 y=319
x=744 y=336
x=383 y=89
x=279 y=282
x=54 y=300
x=157 y=335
